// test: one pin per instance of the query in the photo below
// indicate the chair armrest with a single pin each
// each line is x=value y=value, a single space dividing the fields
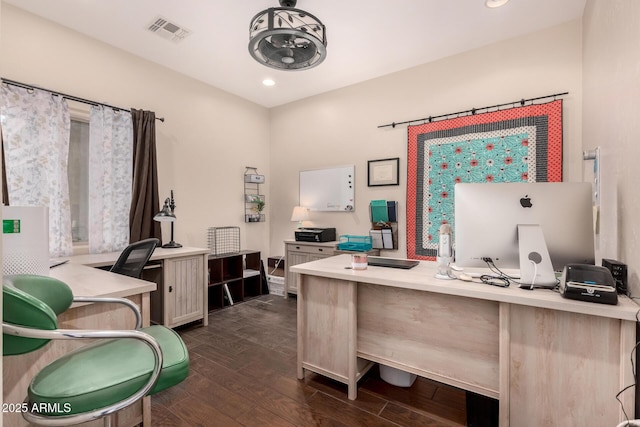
x=72 y=334
x=123 y=301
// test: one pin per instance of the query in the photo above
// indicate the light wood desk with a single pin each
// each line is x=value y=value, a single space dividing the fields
x=17 y=371
x=300 y=252
x=550 y=361
x=181 y=275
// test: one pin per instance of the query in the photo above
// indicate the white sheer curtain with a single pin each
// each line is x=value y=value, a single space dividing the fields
x=35 y=131
x=110 y=177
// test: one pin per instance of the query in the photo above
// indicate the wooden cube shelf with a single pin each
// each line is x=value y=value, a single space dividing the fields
x=240 y=272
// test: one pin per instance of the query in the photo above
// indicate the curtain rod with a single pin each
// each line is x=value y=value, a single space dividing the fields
x=71 y=97
x=472 y=111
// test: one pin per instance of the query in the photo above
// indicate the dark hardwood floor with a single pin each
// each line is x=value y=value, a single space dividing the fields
x=243 y=373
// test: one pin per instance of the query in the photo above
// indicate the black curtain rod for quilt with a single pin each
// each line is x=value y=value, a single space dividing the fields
x=472 y=111
x=71 y=97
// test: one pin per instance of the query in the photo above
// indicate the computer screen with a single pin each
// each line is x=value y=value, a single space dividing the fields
x=487 y=217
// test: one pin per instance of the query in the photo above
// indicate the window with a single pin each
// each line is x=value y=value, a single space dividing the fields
x=114 y=232
x=78 y=173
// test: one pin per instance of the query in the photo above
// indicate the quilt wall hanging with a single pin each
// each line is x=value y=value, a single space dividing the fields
x=522 y=144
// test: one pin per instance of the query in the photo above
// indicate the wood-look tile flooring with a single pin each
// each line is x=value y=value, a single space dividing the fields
x=243 y=373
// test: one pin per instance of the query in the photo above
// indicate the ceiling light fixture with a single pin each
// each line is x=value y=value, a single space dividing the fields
x=495 y=3
x=286 y=38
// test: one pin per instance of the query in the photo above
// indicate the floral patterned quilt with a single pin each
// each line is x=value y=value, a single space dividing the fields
x=522 y=144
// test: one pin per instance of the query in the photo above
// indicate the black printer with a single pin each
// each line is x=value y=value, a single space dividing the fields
x=315 y=234
x=588 y=283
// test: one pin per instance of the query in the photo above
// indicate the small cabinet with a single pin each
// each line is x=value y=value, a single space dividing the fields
x=299 y=253
x=182 y=297
x=234 y=278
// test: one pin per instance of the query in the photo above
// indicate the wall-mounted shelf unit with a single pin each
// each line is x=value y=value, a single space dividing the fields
x=253 y=201
x=384 y=224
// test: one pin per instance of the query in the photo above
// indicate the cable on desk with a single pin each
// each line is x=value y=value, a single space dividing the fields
x=502 y=282
x=501 y=275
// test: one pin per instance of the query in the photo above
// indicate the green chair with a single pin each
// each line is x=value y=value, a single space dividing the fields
x=94 y=381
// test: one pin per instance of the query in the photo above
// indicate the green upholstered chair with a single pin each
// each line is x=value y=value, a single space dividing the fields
x=96 y=380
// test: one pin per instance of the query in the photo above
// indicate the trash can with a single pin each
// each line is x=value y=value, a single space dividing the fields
x=276 y=285
x=397 y=377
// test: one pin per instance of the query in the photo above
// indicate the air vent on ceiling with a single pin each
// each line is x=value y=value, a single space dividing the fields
x=168 y=30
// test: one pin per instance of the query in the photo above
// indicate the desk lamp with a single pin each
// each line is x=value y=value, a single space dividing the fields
x=167 y=215
x=300 y=213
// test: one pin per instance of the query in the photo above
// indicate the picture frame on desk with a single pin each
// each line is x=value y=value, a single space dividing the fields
x=383 y=172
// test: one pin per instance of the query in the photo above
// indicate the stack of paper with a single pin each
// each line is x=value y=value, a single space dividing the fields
x=376 y=239
x=387 y=238
x=382 y=239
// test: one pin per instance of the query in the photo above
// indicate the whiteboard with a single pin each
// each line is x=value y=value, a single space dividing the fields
x=330 y=189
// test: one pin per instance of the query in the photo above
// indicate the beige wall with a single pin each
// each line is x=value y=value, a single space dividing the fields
x=611 y=121
x=208 y=136
x=340 y=127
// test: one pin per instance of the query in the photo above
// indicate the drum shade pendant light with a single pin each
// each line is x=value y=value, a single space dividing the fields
x=286 y=38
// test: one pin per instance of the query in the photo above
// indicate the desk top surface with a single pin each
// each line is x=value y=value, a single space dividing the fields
x=93 y=282
x=109 y=258
x=422 y=277
x=333 y=243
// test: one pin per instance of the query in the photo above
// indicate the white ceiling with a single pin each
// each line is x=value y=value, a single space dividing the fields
x=366 y=38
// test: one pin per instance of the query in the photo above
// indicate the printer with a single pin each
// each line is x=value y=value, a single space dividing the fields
x=315 y=234
x=586 y=282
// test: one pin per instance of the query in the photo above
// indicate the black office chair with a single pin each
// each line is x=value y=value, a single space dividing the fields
x=134 y=257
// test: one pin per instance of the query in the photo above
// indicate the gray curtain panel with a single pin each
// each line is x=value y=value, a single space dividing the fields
x=145 y=201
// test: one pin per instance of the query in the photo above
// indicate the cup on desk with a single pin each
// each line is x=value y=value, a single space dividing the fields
x=359 y=262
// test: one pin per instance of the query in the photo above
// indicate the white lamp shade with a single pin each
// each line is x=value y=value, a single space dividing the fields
x=299 y=214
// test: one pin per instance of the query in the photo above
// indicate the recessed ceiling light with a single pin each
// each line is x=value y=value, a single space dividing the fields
x=268 y=82
x=495 y=3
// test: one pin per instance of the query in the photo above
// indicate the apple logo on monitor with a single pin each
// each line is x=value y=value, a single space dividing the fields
x=525 y=201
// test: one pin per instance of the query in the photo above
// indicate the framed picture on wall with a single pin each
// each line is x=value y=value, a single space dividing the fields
x=383 y=172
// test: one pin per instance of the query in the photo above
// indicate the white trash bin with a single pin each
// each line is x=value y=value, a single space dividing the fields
x=276 y=285
x=396 y=376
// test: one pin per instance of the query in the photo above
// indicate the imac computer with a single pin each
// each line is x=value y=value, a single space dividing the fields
x=530 y=229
